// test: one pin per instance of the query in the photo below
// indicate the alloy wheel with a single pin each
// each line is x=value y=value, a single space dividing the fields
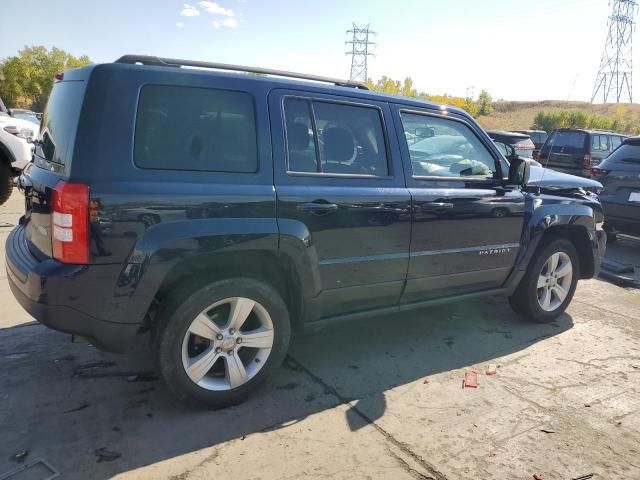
x=227 y=344
x=554 y=281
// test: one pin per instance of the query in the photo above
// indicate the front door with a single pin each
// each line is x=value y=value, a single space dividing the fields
x=466 y=224
x=340 y=186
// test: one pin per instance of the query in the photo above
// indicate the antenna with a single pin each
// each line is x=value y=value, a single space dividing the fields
x=359 y=52
x=616 y=66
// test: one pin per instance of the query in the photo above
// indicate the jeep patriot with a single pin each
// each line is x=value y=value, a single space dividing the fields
x=216 y=212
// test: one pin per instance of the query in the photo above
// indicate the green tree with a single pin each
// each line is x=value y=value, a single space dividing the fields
x=485 y=103
x=27 y=78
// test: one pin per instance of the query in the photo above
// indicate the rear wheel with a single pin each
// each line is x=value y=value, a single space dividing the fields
x=6 y=182
x=215 y=347
x=550 y=282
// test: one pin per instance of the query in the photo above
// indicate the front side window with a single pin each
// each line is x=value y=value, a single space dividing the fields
x=440 y=147
x=201 y=129
x=334 y=138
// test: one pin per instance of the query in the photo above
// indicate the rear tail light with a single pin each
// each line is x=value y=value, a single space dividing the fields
x=598 y=172
x=586 y=160
x=70 y=223
x=59 y=76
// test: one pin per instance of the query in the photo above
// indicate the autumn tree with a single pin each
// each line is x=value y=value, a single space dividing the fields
x=27 y=78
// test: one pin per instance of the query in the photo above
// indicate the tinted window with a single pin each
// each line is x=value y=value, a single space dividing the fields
x=451 y=149
x=184 y=128
x=627 y=157
x=568 y=142
x=328 y=137
x=60 y=122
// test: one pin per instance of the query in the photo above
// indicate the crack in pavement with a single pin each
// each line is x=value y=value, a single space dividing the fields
x=434 y=473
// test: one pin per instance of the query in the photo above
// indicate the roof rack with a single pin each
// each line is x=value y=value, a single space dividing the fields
x=174 y=62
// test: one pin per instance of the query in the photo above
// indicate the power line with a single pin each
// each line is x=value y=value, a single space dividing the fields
x=615 y=75
x=359 y=51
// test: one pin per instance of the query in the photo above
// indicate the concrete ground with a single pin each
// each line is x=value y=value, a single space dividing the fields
x=350 y=402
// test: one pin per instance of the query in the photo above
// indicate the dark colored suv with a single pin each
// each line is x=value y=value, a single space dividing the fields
x=575 y=151
x=619 y=173
x=219 y=212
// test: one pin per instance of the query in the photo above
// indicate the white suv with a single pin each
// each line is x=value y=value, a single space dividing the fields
x=16 y=149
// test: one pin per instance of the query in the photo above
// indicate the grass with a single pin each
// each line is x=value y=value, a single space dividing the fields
x=519 y=115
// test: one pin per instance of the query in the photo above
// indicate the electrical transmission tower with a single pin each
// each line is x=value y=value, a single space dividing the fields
x=359 y=51
x=616 y=67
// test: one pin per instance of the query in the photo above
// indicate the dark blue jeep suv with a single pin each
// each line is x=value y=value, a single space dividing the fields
x=219 y=211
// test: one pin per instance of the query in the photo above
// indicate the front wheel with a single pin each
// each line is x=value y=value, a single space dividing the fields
x=549 y=283
x=216 y=346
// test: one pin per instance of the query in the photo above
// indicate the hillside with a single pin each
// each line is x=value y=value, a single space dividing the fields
x=509 y=115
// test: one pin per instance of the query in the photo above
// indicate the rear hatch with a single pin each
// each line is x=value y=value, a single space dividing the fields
x=566 y=150
x=51 y=164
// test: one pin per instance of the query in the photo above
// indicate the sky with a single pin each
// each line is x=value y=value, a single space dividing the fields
x=515 y=49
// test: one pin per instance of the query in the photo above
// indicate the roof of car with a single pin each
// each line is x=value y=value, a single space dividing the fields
x=587 y=130
x=309 y=82
x=528 y=131
x=632 y=140
x=507 y=134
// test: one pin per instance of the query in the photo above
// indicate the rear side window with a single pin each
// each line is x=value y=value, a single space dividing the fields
x=615 y=142
x=567 y=142
x=334 y=138
x=60 y=122
x=201 y=129
x=600 y=143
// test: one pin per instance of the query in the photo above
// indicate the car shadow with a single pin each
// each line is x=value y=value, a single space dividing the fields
x=64 y=402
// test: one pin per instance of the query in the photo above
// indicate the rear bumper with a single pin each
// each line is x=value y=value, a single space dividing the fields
x=67 y=298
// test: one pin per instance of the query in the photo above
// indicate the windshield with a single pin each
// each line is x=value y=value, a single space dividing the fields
x=28 y=116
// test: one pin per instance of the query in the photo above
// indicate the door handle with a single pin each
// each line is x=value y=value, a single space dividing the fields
x=438 y=205
x=317 y=207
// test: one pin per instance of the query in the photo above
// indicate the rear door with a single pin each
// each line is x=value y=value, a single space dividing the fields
x=600 y=147
x=52 y=159
x=466 y=225
x=338 y=176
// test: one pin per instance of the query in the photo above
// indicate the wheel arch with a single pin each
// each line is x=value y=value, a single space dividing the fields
x=574 y=221
x=192 y=273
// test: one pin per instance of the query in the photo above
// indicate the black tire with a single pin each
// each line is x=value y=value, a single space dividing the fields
x=612 y=233
x=174 y=321
x=6 y=183
x=525 y=299
x=500 y=212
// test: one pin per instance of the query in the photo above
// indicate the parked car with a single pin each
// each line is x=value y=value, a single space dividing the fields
x=510 y=153
x=16 y=149
x=277 y=205
x=522 y=144
x=619 y=173
x=575 y=151
x=538 y=137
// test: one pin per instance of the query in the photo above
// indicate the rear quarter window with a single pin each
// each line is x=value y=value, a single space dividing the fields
x=199 y=129
x=59 y=125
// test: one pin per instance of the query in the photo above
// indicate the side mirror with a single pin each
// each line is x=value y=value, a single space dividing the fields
x=519 y=171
